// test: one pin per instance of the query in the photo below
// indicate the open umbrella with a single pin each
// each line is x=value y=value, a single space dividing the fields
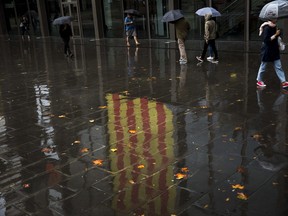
x=132 y=12
x=172 y=15
x=62 y=20
x=208 y=10
x=274 y=10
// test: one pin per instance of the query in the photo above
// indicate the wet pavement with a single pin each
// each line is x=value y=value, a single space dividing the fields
x=129 y=131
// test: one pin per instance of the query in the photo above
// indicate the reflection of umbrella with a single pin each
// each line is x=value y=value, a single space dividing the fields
x=274 y=10
x=172 y=15
x=208 y=10
x=132 y=12
x=62 y=20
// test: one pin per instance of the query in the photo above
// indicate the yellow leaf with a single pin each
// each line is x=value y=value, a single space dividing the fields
x=77 y=142
x=141 y=166
x=92 y=120
x=237 y=128
x=84 y=150
x=61 y=116
x=238 y=186
x=206 y=206
x=210 y=114
x=131 y=182
x=113 y=149
x=227 y=199
x=180 y=176
x=102 y=107
x=98 y=162
x=184 y=169
x=242 y=196
x=132 y=131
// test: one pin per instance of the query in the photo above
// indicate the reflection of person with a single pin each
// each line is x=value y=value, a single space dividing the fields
x=24 y=27
x=270 y=53
x=65 y=32
x=130 y=29
x=131 y=61
x=182 y=28
x=209 y=38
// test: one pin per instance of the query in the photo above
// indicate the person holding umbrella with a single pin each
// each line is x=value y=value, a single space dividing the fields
x=130 y=29
x=182 y=28
x=209 y=38
x=65 y=32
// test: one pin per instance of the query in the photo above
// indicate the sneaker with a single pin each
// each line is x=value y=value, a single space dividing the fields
x=183 y=61
x=209 y=58
x=199 y=58
x=261 y=84
x=284 y=84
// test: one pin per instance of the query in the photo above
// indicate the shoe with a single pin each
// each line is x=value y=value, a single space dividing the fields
x=199 y=58
x=209 y=58
x=284 y=84
x=137 y=44
x=183 y=61
x=261 y=84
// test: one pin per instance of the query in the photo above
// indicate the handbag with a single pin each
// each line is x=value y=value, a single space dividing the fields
x=281 y=44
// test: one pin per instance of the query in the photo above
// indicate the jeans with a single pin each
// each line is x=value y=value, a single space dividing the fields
x=277 y=67
x=213 y=46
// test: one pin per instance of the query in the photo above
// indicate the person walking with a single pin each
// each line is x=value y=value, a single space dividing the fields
x=209 y=38
x=65 y=32
x=24 y=27
x=270 y=53
x=130 y=29
x=182 y=28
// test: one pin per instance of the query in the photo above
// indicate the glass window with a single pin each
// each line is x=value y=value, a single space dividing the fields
x=87 y=18
x=156 y=11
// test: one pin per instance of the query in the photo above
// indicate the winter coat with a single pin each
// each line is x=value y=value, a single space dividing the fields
x=210 y=28
x=270 y=48
x=182 y=27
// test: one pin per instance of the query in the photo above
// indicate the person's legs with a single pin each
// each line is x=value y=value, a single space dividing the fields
x=182 y=50
x=205 y=46
x=135 y=37
x=261 y=71
x=67 y=50
x=279 y=71
x=213 y=46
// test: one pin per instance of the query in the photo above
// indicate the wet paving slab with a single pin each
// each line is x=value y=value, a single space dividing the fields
x=130 y=131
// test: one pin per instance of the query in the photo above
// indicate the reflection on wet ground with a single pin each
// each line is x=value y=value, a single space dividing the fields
x=129 y=131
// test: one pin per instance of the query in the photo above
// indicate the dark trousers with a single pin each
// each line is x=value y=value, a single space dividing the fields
x=213 y=46
x=67 y=50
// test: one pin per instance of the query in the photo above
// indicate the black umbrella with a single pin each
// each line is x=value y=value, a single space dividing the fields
x=172 y=15
x=132 y=12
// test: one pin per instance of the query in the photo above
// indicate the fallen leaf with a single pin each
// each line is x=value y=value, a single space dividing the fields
x=227 y=199
x=113 y=149
x=206 y=206
x=91 y=120
x=77 y=142
x=257 y=137
x=237 y=128
x=102 y=107
x=131 y=182
x=238 y=186
x=184 y=169
x=84 y=150
x=210 y=114
x=242 y=196
x=180 y=176
x=61 y=116
x=132 y=131
x=98 y=162
x=141 y=166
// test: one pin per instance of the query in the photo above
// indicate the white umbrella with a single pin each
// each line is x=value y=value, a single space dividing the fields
x=274 y=10
x=208 y=10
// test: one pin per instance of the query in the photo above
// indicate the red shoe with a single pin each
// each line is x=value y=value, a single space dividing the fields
x=262 y=84
x=284 y=84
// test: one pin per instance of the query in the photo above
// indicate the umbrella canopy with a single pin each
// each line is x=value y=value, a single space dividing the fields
x=62 y=20
x=132 y=12
x=172 y=15
x=274 y=10
x=208 y=10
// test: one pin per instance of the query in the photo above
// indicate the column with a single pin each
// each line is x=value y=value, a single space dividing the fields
x=42 y=18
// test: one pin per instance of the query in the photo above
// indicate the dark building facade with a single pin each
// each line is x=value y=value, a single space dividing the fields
x=104 y=18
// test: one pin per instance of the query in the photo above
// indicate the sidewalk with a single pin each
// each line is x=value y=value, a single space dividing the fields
x=130 y=131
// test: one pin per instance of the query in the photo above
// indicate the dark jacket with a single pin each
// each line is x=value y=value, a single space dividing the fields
x=65 y=31
x=182 y=27
x=270 y=48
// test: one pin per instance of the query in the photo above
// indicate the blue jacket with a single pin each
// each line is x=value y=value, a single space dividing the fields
x=129 y=26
